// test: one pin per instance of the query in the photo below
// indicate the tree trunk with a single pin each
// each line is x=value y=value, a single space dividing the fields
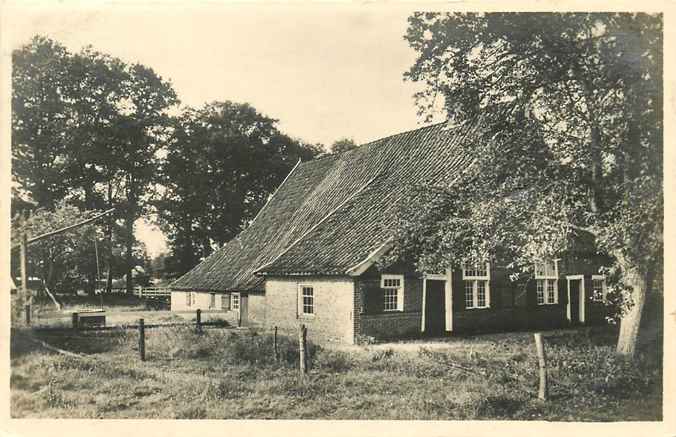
x=129 y=223
x=631 y=321
x=595 y=150
x=109 y=236
x=206 y=244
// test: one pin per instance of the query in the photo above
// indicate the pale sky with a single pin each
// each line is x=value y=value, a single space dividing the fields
x=325 y=71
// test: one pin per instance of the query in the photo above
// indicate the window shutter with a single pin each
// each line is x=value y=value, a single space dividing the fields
x=225 y=302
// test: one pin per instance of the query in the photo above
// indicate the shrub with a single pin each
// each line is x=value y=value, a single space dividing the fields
x=252 y=348
x=382 y=354
x=364 y=340
x=333 y=361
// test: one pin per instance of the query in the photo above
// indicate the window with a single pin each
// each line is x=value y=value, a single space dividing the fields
x=477 y=279
x=225 y=302
x=546 y=280
x=307 y=300
x=212 y=300
x=188 y=299
x=234 y=302
x=393 y=292
x=599 y=288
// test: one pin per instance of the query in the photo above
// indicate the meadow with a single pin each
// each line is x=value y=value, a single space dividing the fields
x=233 y=374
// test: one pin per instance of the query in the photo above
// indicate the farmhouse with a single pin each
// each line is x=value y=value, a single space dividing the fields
x=310 y=256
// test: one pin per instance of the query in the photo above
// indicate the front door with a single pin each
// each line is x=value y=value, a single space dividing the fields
x=244 y=310
x=435 y=307
x=574 y=303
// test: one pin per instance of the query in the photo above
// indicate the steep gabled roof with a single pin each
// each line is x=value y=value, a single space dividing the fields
x=331 y=213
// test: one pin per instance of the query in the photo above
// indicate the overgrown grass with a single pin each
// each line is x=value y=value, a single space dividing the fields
x=233 y=374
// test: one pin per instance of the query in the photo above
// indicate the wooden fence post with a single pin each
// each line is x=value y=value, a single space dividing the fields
x=141 y=339
x=302 y=336
x=542 y=364
x=274 y=345
x=198 y=320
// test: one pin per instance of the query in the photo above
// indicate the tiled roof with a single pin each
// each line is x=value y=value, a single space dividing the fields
x=331 y=213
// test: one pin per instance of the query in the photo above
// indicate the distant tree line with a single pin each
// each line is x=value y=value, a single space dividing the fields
x=91 y=132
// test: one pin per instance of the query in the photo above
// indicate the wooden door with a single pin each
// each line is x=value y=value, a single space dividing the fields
x=243 y=310
x=435 y=307
x=574 y=301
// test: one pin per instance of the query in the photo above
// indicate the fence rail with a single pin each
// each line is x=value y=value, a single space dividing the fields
x=152 y=292
x=147 y=292
x=217 y=324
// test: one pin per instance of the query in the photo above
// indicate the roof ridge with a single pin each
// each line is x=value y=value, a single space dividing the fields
x=377 y=140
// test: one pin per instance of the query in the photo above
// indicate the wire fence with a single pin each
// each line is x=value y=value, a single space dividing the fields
x=123 y=339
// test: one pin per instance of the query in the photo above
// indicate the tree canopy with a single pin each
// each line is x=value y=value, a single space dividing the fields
x=87 y=127
x=343 y=145
x=569 y=142
x=223 y=162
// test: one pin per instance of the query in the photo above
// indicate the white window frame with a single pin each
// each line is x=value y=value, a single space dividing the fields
x=604 y=289
x=474 y=281
x=543 y=280
x=235 y=302
x=301 y=300
x=399 y=290
x=212 y=300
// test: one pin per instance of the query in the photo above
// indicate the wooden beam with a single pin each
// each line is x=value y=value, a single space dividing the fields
x=67 y=228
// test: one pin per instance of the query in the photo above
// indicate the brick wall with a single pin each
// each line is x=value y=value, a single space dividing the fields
x=391 y=325
x=333 y=308
x=382 y=325
x=509 y=319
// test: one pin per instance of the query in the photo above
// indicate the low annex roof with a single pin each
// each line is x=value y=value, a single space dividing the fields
x=330 y=214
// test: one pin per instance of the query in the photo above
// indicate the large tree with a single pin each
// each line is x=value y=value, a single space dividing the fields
x=343 y=145
x=224 y=160
x=567 y=146
x=88 y=127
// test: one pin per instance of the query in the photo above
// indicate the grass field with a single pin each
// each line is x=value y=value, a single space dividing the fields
x=224 y=374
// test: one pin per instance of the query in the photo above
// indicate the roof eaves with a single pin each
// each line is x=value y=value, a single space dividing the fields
x=373 y=257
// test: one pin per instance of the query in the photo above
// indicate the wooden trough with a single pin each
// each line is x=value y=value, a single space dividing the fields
x=89 y=318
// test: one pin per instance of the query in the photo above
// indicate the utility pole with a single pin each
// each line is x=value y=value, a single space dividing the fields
x=24 y=274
